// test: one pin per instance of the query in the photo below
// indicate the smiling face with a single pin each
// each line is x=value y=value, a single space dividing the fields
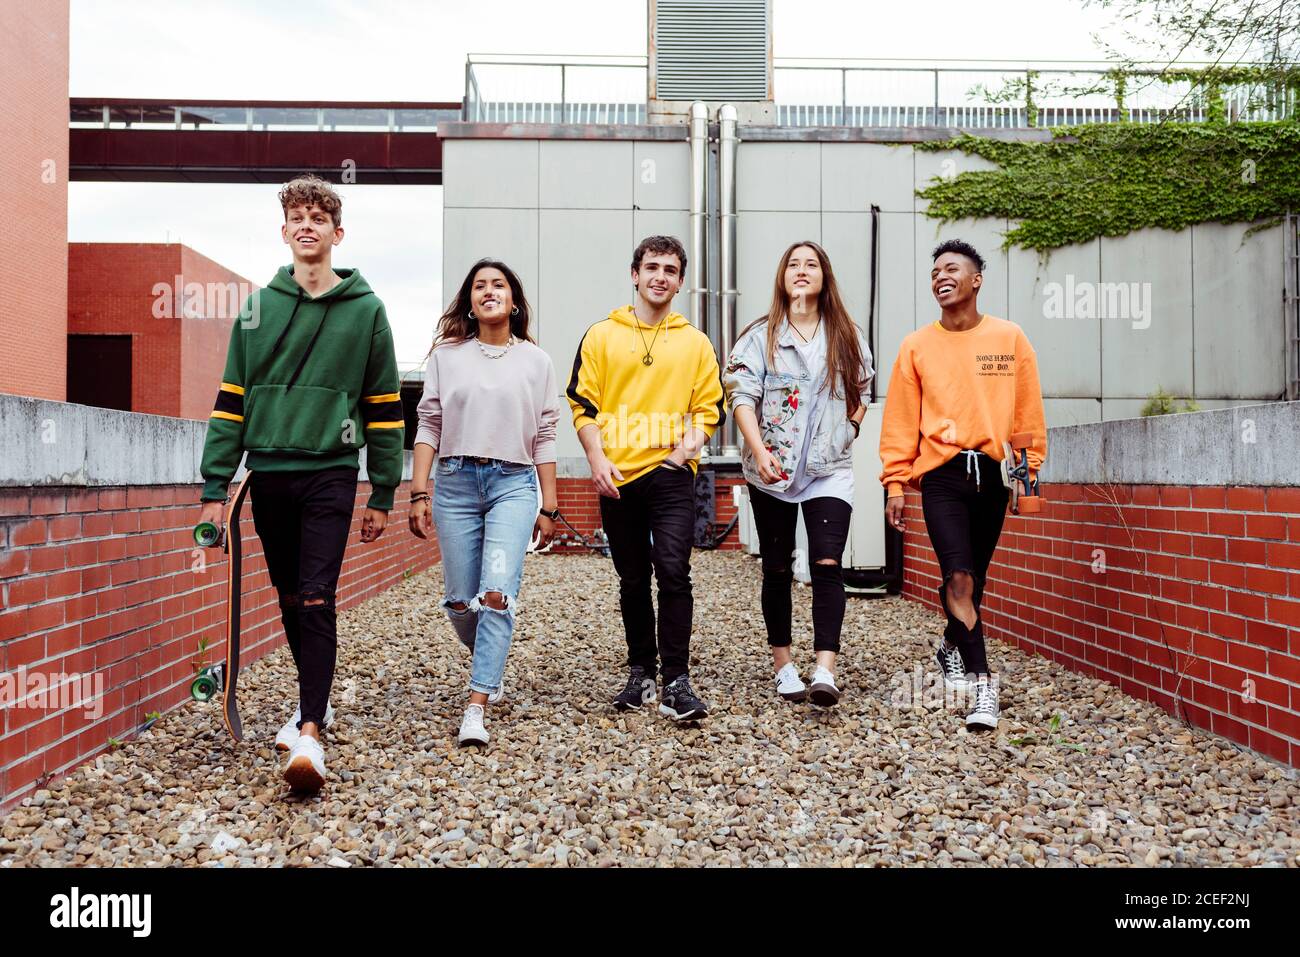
x=490 y=296
x=954 y=280
x=803 y=279
x=659 y=278
x=310 y=232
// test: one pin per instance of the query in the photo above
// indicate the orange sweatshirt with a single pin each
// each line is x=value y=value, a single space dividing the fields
x=959 y=390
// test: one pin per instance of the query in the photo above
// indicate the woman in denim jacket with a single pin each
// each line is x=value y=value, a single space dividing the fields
x=798 y=382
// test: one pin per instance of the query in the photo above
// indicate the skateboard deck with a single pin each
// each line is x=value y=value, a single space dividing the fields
x=234 y=569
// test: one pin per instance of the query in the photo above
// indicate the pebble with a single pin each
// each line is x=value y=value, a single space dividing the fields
x=885 y=778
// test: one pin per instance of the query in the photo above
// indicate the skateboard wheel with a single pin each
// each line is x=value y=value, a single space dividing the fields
x=207 y=535
x=203 y=687
x=1030 y=504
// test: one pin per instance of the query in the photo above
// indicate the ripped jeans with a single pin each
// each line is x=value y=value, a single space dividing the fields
x=484 y=510
x=303 y=519
x=965 y=503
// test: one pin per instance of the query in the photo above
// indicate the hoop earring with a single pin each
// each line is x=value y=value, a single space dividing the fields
x=470 y=316
x=514 y=311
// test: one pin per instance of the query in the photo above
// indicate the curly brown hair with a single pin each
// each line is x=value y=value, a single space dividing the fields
x=310 y=190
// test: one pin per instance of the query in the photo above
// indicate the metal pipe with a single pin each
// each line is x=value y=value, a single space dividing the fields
x=727 y=292
x=699 y=140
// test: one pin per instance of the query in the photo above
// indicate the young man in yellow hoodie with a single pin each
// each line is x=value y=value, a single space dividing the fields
x=961 y=387
x=646 y=396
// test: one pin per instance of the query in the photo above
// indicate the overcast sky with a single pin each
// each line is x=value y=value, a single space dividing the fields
x=413 y=50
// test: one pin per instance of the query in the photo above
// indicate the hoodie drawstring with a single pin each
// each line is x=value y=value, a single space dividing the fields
x=972 y=456
x=285 y=331
x=310 y=346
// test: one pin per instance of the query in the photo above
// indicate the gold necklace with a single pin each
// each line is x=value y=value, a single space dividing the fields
x=648 y=359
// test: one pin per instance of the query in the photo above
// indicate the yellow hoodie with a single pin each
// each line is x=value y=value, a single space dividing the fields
x=644 y=410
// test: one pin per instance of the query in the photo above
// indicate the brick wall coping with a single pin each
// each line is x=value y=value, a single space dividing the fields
x=44 y=443
x=1248 y=445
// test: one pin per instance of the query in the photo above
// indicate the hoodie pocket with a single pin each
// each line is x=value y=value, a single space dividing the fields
x=306 y=418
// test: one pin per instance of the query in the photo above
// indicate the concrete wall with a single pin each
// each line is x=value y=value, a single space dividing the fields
x=59 y=443
x=565 y=215
x=34 y=196
x=1205 y=320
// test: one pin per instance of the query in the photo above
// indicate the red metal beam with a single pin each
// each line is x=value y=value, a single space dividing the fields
x=222 y=156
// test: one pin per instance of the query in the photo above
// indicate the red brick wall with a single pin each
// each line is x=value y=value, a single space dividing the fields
x=176 y=362
x=101 y=581
x=34 y=184
x=1197 y=608
x=204 y=341
x=581 y=506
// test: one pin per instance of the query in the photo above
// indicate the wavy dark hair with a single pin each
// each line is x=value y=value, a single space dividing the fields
x=457 y=323
x=843 y=355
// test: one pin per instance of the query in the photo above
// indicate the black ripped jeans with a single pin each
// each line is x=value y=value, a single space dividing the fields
x=827 y=522
x=964 y=518
x=303 y=520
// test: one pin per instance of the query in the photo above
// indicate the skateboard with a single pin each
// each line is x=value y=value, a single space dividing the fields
x=223 y=678
x=1015 y=469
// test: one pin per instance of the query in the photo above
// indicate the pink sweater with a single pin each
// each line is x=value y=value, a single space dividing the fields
x=503 y=408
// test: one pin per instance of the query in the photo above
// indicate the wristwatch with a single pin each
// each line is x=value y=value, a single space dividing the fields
x=553 y=515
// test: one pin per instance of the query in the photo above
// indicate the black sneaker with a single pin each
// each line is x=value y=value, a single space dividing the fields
x=680 y=702
x=640 y=690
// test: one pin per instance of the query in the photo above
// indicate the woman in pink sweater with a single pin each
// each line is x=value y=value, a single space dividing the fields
x=488 y=415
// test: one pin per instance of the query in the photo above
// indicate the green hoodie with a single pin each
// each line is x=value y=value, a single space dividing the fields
x=307 y=383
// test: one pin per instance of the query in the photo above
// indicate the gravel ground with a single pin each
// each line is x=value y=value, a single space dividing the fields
x=567 y=781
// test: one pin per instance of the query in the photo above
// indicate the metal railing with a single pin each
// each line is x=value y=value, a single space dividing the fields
x=260 y=116
x=969 y=93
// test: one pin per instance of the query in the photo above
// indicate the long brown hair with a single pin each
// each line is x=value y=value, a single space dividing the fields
x=843 y=356
x=458 y=323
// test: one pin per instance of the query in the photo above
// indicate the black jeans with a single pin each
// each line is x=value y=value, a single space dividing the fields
x=660 y=503
x=303 y=519
x=964 y=518
x=827 y=522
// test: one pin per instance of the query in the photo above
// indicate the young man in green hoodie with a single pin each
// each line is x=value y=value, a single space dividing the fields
x=309 y=379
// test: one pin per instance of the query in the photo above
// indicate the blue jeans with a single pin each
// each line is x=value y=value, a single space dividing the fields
x=484 y=510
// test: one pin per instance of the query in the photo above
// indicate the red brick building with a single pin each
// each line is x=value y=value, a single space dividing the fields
x=34 y=186
x=148 y=325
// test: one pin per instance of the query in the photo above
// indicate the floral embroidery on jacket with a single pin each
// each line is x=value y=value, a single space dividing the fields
x=779 y=440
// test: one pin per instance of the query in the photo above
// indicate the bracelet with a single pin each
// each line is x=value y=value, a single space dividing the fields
x=857 y=427
x=419 y=497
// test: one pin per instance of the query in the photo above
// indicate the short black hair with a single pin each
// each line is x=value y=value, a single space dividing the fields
x=961 y=247
x=659 y=246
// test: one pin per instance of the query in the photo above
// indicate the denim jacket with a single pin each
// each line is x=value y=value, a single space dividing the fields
x=777 y=397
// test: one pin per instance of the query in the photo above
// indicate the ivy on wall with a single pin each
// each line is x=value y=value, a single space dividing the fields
x=1112 y=179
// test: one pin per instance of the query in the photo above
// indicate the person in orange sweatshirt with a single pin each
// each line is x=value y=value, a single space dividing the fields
x=961 y=387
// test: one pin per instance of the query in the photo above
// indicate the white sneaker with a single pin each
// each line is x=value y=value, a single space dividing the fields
x=824 y=690
x=471 y=726
x=288 y=736
x=788 y=683
x=306 y=769
x=499 y=695
x=985 y=713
